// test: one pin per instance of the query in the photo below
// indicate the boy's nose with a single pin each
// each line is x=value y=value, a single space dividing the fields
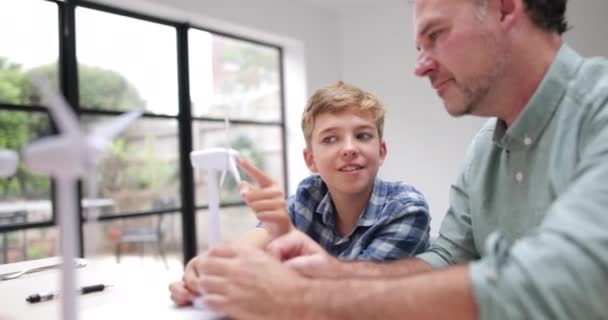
x=349 y=149
x=349 y=152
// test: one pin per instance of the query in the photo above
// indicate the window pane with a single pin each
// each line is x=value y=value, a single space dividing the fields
x=234 y=221
x=119 y=69
x=28 y=244
x=29 y=44
x=260 y=145
x=24 y=197
x=233 y=77
x=141 y=167
x=141 y=241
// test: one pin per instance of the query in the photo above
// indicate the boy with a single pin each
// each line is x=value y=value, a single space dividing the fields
x=348 y=210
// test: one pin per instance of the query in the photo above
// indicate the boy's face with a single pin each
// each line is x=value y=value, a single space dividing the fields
x=346 y=151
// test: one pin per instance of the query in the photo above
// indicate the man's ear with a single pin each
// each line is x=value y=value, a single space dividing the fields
x=310 y=160
x=510 y=11
x=383 y=151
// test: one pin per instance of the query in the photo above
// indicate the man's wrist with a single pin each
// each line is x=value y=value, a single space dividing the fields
x=343 y=269
x=300 y=300
x=379 y=269
x=309 y=299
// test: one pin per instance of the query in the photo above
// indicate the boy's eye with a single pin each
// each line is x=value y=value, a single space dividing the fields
x=364 y=136
x=330 y=139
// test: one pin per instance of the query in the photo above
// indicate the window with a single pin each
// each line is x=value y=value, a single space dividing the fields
x=105 y=67
x=32 y=24
x=25 y=191
x=141 y=167
x=244 y=138
x=234 y=78
x=25 y=198
x=238 y=80
x=121 y=70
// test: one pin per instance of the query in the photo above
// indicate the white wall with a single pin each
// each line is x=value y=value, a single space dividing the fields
x=590 y=26
x=426 y=146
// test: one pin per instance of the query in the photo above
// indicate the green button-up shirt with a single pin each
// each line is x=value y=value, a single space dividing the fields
x=530 y=207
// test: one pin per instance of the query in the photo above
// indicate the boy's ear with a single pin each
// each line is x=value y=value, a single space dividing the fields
x=310 y=160
x=383 y=151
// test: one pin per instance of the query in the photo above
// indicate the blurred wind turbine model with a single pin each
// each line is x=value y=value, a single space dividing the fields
x=66 y=157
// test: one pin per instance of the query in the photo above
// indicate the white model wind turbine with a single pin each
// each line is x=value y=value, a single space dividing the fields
x=66 y=157
x=215 y=160
x=227 y=145
x=8 y=163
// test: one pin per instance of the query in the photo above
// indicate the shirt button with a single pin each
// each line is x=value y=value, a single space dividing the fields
x=527 y=141
x=519 y=176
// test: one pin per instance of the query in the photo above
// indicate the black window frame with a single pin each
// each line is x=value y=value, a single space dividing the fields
x=68 y=79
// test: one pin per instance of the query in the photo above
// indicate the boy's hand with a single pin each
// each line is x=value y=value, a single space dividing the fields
x=267 y=201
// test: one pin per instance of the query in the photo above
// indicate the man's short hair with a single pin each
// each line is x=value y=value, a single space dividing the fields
x=550 y=15
x=338 y=97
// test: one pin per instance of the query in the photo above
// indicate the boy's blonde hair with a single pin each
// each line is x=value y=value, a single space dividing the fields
x=338 y=97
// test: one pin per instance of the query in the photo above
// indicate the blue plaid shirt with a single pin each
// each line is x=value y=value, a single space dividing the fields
x=395 y=223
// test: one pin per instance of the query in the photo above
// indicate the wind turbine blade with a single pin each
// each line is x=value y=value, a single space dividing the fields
x=92 y=193
x=112 y=128
x=227 y=132
x=60 y=110
x=8 y=163
x=54 y=155
x=222 y=178
x=234 y=170
x=227 y=146
x=91 y=181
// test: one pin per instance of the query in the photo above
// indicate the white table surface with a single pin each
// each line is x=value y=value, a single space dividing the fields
x=136 y=293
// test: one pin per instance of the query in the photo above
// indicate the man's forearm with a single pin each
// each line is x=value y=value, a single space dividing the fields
x=445 y=294
x=366 y=269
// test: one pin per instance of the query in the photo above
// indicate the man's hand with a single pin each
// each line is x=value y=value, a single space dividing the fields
x=304 y=255
x=185 y=291
x=246 y=283
x=267 y=201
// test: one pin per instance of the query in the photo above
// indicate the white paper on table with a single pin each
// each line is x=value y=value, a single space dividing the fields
x=148 y=310
x=10 y=268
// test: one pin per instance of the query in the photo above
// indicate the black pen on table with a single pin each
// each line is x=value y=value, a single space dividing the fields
x=37 y=297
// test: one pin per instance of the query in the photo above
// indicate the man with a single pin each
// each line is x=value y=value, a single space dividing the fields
x=526 y=235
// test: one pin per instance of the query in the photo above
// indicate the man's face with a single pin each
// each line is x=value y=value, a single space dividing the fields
x=460 y=52
x=346 y=151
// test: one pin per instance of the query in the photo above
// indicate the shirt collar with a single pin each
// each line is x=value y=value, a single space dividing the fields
x=326 y=209
x=537 y=114
x=369 y=216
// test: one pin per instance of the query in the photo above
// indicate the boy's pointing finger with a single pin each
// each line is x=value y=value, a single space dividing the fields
x=258 y=175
